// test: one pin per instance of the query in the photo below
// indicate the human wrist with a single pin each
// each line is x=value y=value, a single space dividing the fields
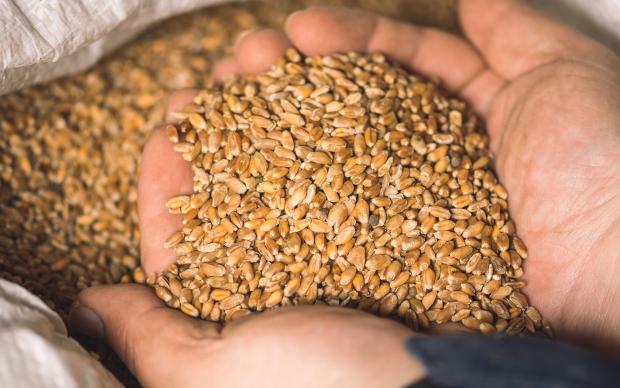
x=407 y=368
x=394 y=365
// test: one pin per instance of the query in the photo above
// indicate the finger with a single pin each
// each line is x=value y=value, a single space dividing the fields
x=140 y=328
x=432 y=52
x=514 y=38
x=163 y=174
x=257 y=51
x=224 y=68
x=177 y=101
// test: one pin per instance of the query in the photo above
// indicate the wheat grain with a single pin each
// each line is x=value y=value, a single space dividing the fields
x=343 y=180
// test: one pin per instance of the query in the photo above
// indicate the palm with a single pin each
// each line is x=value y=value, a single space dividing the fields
x=555 y=152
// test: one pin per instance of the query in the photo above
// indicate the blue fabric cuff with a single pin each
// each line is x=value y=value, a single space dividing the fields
x=502 y=361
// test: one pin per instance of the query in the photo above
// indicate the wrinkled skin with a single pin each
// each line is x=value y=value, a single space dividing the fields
x=551 y=101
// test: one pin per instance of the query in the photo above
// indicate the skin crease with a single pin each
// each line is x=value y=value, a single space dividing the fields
x=551 y=100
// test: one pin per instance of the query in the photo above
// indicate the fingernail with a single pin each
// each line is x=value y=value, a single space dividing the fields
x=85 y=321
x=290 y=18
x=243 y=35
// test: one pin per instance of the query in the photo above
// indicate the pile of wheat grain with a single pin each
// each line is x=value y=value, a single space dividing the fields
x=343 y=180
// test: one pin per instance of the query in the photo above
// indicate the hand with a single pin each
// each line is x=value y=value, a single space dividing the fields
x=304 y=346
x=310 y=346
x=550 y=99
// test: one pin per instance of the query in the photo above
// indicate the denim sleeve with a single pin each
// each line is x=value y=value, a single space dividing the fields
x=510 y=362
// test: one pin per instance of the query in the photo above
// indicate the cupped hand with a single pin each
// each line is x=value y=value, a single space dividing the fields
x=551 y=101
x=309 y=346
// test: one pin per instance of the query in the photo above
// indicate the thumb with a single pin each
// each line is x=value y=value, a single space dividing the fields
x=152 y=339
